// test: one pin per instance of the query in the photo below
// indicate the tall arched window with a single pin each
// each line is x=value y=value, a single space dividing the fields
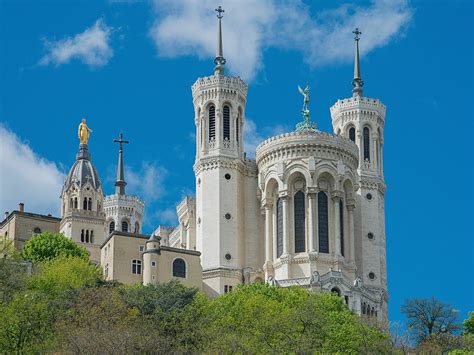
x=299 y=222
x=82 y=236
x=212 y=122
x=226 y=126
x=352 y=134
x=71 y=203
x=341 y=224
x=179 y=268
x=89 y=204
x=366 y=144
x=323 y=224
x=111 y=227
x=75 y=202
x=237 y=127
x=84 y=204
x=87 y=236
x=279 y=227
x=124 y=226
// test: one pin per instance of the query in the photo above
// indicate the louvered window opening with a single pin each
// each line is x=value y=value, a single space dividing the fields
x=124 y=226
x=323 y=223
x=341 y=224
x=226 y=122
x=279 y=227
x=212 y=122
x=299 y=214
x=179 y=268
x=366 y=144
x=352 y=134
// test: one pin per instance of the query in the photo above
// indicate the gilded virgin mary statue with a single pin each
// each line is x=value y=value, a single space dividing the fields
x=84 y=132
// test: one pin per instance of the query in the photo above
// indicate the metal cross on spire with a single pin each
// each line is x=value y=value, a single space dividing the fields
x=219 y=60
x=120 y=183
x=357 y=82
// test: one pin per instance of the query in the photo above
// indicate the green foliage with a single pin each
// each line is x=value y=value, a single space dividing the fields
x=443 y=343
x=12 y=278
x=62 y=274
x=25 y=323
x=260 y=318
x=167 y=297
x=47 y=246
x=468 y=324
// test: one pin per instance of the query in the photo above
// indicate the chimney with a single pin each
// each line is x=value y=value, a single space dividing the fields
x=21 y=207
x=6 y=214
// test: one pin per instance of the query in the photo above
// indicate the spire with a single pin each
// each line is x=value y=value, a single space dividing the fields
x=219 y=60
x=120 y=183
x=357 y=83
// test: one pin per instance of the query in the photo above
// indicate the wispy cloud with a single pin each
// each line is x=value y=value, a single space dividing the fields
x=188 y=27
x=92 y=47
x=147 y=181
x=253 y=135
x=167 y=216
x=27 y=177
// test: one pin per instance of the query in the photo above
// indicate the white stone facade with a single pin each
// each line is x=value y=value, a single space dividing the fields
x=124 y=213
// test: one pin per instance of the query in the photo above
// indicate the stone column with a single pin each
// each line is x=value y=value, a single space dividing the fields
x=311 y=217
x=337 y=198
x=274 y=230
x=350 y=210
x=373 y=153
x=286 y=241
x=268 y=239
x=361 y=147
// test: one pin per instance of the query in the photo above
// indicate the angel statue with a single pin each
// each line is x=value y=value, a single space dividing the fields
x=306 y=124
x=305 y=93
x=83 y=132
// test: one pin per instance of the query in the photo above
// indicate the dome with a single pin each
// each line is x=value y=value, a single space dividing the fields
x=83 y=171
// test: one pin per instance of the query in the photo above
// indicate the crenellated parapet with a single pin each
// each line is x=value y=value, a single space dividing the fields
x=210 y=85
x=305 y=144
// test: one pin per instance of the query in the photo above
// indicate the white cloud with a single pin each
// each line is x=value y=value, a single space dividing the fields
x=147 y=182
x=167 y=216
x=253 y=136
x=188 y=27
x=92 y=47
x=27 y=177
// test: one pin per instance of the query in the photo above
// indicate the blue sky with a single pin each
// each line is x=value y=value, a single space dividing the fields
x=129 y=65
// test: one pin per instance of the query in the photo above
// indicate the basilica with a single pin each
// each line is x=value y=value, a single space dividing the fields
x=308 y=211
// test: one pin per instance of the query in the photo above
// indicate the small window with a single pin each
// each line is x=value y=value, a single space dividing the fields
x=227 y=176
x=82 y=236
x=75 y=202
x=371 y=275
x=111 y=227
x=153 y=263
x=369 y=196
x=37 y=230
x=136 y=267
x=89 y=205
x=226 y=288
x=228 y=256
x=84 y=204
x=352 y=134
x=212 y=122
x=141 y=248
x=366 y=144
x=179 y=268
x=124 y=226
x=153 y=277
x=226 y=126
x=370 y=236
x=228 y=216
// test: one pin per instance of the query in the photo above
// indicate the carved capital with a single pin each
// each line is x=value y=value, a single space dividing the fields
x=337 y=195
x=267 y=203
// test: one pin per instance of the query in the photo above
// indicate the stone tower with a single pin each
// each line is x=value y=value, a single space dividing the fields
x=123 y=212
x=82 y=204
x=226 y=204
x=362 y=119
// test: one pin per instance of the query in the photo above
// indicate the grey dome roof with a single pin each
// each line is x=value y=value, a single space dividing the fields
x=83 y=171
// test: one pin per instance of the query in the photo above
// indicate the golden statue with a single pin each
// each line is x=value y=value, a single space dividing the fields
x=84 y=132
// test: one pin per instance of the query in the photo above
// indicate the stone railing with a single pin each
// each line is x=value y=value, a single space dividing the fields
x=364 y=103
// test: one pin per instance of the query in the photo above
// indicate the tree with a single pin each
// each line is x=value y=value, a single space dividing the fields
x=25 y=324
x=468 y=324
x=47 y=246
x=430 y=316
x=12 y=278
x=58 y=276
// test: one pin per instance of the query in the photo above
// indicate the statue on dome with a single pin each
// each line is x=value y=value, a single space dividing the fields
x=84 y=132
x=306 y=124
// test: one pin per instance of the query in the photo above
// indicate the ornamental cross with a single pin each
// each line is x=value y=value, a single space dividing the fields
x=357 y=33
x=220 y=12
x=120 y=140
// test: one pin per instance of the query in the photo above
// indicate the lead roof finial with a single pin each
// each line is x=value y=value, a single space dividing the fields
x=357 y=82
x=219 y=60
x=120 y=183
